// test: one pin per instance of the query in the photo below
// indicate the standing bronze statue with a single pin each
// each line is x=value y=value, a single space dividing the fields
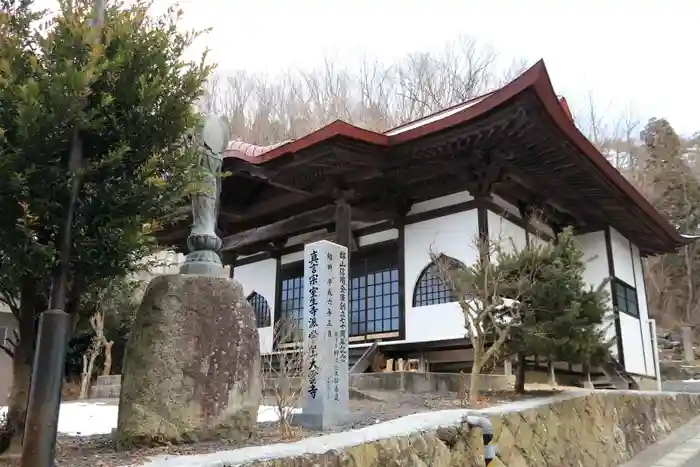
x=203 y=242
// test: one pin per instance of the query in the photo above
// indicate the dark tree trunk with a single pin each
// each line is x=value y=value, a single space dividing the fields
x=30 y=304
x=520 y=374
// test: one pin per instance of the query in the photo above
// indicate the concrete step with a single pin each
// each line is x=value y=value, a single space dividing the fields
x=605 y=386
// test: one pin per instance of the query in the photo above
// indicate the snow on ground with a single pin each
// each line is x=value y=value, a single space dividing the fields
x=97 y=418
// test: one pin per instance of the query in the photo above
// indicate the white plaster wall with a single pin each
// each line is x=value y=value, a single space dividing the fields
x=622 y=257
x=597 y=270
x=536 y=241
x=292 y=257
x=508 y=234
x=261 y=277
x=441 y=202
x=649 y=352
x=378 y=237
x=453 y=236
x=511 y=208
x=542 y=227
x=632 y=345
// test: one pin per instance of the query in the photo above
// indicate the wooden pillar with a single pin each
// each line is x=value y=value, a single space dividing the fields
x=343 y=229
x=228 y=258
x=525 y=215
x=483 y=226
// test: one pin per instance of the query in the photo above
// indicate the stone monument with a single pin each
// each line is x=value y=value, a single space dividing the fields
x=325 y=328
x=192 y=363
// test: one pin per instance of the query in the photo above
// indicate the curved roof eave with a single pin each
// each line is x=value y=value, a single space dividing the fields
x=535 y=78
x=545 y=92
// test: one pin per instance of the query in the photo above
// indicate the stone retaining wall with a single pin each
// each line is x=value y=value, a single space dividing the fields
x=106 y=387
x=581 y=429
x=404 y=381
x=437 y=383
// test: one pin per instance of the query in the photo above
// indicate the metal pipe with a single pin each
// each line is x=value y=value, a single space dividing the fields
x=655 y=353
x=41 y=423
x=487 y=435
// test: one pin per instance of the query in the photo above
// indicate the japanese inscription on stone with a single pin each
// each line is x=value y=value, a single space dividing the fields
x=325 y=333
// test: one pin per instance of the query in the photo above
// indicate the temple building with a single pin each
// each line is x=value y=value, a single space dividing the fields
x=478 y=169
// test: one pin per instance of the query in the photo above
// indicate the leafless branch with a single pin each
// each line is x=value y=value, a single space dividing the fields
x=283 y=376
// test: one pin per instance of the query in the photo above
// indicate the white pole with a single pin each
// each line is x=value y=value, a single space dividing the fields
x=655 y=352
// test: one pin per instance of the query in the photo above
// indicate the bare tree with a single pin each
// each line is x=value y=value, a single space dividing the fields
x=489 y=293
x=97 y=323
x=378 y=96
x=283 y=377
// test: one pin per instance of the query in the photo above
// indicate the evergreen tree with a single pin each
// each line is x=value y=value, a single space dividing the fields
x=675 y=191
x=561 y=316
x=130 y=95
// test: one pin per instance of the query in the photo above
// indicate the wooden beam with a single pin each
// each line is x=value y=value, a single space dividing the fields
x=267 y=206
x=290 y=226
x=304 y=222
x=548 y=204
x=245 y=169
x=270 y=181
x=343 y=229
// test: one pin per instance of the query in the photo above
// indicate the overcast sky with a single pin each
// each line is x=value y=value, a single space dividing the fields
x=634 y=54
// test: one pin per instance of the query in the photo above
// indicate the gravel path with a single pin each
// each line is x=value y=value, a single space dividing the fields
x=100 y=450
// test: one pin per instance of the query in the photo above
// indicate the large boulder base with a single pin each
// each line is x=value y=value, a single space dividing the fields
x=192 y=364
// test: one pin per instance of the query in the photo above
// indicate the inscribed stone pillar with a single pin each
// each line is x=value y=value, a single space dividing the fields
x=325 y=335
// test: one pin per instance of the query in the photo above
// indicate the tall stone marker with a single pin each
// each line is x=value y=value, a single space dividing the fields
x=325 y=324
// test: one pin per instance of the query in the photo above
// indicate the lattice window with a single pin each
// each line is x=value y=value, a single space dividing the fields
x=292 y=304
x=625 y=298
x=261 y=309
x=430 y=289
x=374 y=293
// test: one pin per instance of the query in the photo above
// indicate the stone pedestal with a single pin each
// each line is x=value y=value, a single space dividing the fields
x=192 y=364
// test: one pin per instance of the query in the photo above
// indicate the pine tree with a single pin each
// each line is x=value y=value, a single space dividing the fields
x=561 y=315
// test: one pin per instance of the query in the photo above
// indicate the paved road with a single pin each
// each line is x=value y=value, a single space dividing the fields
x=680 y=449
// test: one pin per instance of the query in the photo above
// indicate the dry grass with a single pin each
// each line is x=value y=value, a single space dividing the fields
x=71 y=391
x=282 y=379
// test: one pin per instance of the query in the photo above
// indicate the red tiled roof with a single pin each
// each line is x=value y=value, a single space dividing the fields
x=247 y=151
x=535 y=79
